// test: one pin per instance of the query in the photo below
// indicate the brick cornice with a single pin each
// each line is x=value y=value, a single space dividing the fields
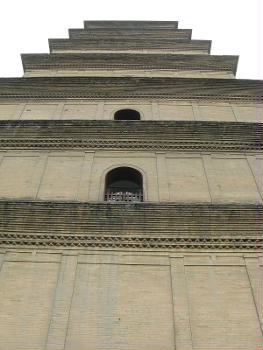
x=117 y=34
x=135 y=44
x=131 y=135
x=158 y=225
x=129 y=61
x=130 y=87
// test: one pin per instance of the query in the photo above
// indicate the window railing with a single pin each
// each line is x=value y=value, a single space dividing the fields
x=123 y=196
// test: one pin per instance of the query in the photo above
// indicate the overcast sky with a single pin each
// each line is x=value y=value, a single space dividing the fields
x=233 y=26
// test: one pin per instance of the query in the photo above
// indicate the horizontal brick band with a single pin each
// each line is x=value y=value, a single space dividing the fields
x=137 y=225
x=123 y=87
x=134 y=135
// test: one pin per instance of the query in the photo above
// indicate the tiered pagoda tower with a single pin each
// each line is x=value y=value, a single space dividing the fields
x=131 y=195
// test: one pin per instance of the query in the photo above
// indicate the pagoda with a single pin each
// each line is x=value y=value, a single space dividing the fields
x=131 y=195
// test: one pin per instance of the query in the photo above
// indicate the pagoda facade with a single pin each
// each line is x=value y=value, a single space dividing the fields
x=130 y=195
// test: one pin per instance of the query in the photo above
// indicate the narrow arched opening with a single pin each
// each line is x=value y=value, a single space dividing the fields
x=127 y=114
x=123 y=184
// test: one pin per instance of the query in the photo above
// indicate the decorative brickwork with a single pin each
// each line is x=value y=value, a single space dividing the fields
x=180 y=135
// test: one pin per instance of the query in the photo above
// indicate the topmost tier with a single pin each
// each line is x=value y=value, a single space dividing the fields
x=130 y=29
x=130 y=24
x=130 y=49
x=130 y=36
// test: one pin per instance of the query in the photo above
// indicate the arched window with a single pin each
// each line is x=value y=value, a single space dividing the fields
x=127 y=114
x=124 y=184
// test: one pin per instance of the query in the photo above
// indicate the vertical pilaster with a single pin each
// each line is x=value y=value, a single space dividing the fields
x=256 y=177
x=1 y=158
x=38 y=174
x=207 y=164
x=196 y=111
x=182 y=322
x=19 y=111
x=235 y=111
x=58 y=326
x=155 y=111
x=58 y=114
x=2 y=258
x=85 y=177
x=256 y=284
x=100 y=110
x=162 y=177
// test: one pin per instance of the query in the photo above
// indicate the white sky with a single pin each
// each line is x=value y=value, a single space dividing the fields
x=233 y=26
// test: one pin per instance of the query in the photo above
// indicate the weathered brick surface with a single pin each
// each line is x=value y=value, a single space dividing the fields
x=69 y=299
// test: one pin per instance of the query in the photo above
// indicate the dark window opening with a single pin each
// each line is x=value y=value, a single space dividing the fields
x=127 y=114
x=124 y=184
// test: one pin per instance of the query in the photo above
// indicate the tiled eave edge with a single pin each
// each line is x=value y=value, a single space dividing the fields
x=139 y=226
x=131 y=135
x=129 y=87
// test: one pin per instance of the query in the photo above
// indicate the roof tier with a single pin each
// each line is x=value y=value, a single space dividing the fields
x=141 y=34
x=132 y=61
x=131 y=24
x=129 y=87
x=125 y=44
